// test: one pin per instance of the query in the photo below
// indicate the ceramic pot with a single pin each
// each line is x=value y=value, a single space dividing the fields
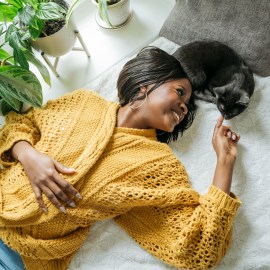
x=58 y=43
x=119 y=14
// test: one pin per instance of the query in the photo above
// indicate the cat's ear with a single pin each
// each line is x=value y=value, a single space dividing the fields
x=244 y=99
x=219 y=91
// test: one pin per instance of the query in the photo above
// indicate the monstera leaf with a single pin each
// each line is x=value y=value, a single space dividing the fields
x=19 y=85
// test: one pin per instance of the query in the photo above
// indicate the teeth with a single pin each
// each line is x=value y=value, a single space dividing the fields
x=177 y=116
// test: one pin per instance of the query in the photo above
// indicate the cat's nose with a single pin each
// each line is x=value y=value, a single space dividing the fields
x=221 y=107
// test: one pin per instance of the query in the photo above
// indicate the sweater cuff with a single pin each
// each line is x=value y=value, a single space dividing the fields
x=5 y=156
x=229 y=203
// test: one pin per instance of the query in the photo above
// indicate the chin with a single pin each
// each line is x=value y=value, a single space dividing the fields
x=170 y=129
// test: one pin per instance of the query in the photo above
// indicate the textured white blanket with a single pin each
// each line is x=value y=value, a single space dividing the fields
x=108 y=247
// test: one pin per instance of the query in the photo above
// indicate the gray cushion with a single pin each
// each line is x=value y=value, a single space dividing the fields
x=241 y=24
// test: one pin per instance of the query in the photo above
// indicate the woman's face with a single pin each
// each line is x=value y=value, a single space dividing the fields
x=166 y=106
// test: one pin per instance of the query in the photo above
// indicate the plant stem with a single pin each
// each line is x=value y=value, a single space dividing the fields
x=4 y=61
x=44 y=33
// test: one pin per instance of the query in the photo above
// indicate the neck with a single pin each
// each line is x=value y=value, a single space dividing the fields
x=126 y=117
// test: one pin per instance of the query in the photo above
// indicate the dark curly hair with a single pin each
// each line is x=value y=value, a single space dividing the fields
x=153 y=66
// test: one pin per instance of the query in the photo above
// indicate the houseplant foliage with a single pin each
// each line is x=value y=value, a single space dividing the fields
x=23 y=21
x=102 y=6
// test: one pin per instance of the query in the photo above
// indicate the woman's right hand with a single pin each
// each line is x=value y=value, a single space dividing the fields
x=45 y=176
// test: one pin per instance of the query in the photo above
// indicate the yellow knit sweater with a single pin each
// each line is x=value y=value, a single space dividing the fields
x=122 y=173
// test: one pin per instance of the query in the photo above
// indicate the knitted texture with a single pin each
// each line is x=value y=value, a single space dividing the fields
x=121 y=172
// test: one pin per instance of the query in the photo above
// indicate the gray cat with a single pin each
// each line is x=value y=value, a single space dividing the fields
x=218 y=75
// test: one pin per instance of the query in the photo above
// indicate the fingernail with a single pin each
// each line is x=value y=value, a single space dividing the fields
x=72 y=204
x=79 y=196
x=234 y=137
x=63 y=209
x=229 y=133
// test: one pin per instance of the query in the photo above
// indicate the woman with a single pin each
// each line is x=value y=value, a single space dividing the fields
x=116 y=164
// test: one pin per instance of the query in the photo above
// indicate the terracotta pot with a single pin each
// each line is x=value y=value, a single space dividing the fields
x=58 y=43
x=119 y=14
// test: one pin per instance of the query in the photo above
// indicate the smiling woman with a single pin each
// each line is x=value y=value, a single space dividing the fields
x=116 y=166
x=165 y=108
x=155 y=72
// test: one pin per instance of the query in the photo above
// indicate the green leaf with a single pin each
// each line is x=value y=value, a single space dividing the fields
x=1 y=28
x=6 y=108
x=27 y=16
x=16 y=3
x=41 y=68
x=26 y=36
x=3 y=54
x=50 y=11
x=14 y=39
x=36 y=31
x=102 y=5
x=7 y=12
x=75 y=4
x=21 y=84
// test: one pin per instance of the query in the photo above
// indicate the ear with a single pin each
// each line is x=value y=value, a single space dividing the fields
x=244 y=99
x=219 y=91
x=143 y=89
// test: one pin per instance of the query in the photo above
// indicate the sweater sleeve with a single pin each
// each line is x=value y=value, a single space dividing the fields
x=18 y=127
x=185 y=236
x=158 y=208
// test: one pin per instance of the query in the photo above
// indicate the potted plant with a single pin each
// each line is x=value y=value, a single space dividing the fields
x=24 y=22
x=111 y=13
x=17 y=85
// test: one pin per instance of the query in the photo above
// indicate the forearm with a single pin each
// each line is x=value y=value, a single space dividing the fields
x=223 y=175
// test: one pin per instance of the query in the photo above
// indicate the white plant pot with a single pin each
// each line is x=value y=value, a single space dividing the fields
x=119 y=14
x=58 y=43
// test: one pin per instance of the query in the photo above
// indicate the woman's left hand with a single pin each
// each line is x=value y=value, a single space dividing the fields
x=225 y=142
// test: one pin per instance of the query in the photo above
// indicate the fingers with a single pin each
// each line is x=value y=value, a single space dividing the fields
x=220 y=121
x=52 y=197
x=63 y=169
x=62 y=182
x=232 y=135
x=222 y=130
x=218 y=126
x=56 y=188
x=38 y=195
x=56 y=195
x=67 y=187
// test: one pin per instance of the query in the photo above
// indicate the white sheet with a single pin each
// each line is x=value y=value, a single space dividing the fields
x=108 y=247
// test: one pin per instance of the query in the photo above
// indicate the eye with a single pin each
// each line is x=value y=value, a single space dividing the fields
x=180 y=91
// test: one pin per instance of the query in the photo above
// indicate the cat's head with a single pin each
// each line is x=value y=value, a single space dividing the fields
x=231 y=103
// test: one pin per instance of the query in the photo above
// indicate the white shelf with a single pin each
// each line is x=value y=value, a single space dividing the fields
x=106 y=46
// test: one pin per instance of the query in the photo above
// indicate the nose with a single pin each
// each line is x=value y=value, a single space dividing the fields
x=184 y=108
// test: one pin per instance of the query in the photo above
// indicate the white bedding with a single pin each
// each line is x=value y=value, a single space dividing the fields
x=108 y=247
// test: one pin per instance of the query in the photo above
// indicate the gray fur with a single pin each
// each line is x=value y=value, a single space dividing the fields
x=218 y=75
